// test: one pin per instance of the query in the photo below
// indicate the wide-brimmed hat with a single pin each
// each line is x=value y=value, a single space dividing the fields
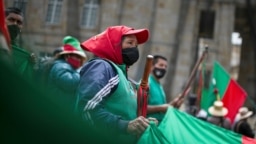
x=72 y=46
x=244 y=113
x=218 y=109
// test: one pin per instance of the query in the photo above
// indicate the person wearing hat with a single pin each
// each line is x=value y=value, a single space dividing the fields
x=218 y=113
x=61 y=73
x=242 y=125
x=106 y=98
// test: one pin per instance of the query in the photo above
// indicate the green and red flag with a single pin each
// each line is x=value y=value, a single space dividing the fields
x=181 y=128
x=223 y=87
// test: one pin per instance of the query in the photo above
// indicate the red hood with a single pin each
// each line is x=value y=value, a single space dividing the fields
x=108 y=43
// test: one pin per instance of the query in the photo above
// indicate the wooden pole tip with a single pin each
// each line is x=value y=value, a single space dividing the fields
x=150 y=56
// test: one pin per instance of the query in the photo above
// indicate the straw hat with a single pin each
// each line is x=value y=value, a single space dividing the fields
x=244 y=113
x=217 y=109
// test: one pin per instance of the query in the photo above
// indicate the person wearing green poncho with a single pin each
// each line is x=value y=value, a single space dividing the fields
x=106 y=99
x=157 y=104
x=23 y=60
x=157 y=100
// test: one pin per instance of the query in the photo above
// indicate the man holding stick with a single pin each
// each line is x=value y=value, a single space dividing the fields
x=157 y=104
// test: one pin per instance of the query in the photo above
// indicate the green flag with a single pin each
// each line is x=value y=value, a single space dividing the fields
x=181 y=128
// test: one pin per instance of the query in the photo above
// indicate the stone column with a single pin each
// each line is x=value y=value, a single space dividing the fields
x=225 y=14
x=246 y=76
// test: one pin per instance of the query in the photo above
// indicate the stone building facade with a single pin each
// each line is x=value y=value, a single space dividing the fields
x=179 y=29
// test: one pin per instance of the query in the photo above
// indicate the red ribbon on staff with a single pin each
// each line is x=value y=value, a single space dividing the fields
x=142 y=94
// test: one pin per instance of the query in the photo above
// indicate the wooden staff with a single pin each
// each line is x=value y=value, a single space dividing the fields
x=142 y=95
x=193 y=73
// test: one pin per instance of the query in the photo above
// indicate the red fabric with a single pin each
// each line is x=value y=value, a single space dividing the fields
x=247 y=140
x=142 y=101
x=108 y=43
x=141 y=35
x=199 y=88
x=233 y=99
x=75 y=63
x=68 y=48
x=3 y=26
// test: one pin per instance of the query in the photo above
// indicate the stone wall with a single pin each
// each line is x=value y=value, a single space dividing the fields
x=173 y=24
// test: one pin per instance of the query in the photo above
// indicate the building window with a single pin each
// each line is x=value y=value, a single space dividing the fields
x=206 y=25
x=90 y=14
x=21 y=4
x=54 y=11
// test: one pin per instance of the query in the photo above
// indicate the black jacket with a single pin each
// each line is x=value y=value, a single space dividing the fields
x=244 y=128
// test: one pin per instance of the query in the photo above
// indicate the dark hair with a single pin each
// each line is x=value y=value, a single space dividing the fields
x=57 y=51
x=13 y=10
x=156 y=57
x=192 y=99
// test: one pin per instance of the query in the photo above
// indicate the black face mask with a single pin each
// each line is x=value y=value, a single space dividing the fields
x=159 y=73
x=130 y=55
x=14 y=31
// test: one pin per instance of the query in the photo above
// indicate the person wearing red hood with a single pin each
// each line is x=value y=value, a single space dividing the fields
x=106 y=98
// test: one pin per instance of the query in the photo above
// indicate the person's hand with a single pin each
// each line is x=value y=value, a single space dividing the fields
x=177 y=102
x=153 y=119
x=33 y=58
x=164 y=107
x=138 y=125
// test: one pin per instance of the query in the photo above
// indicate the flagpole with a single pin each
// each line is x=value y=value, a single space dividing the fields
x=193 y=73
x=200 y=85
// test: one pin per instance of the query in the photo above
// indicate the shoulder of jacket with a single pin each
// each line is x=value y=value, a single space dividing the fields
x=102 y=63
x=59 y=64
x=98 y=65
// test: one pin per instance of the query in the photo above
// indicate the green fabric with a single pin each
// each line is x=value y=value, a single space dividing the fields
x=181 y=128
x=126 y=106
x=153 y=135
x=30 y=116
x=22 y=62
x=156 y=96
x=73 y=42
x=222 y=81
x=116 y=104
